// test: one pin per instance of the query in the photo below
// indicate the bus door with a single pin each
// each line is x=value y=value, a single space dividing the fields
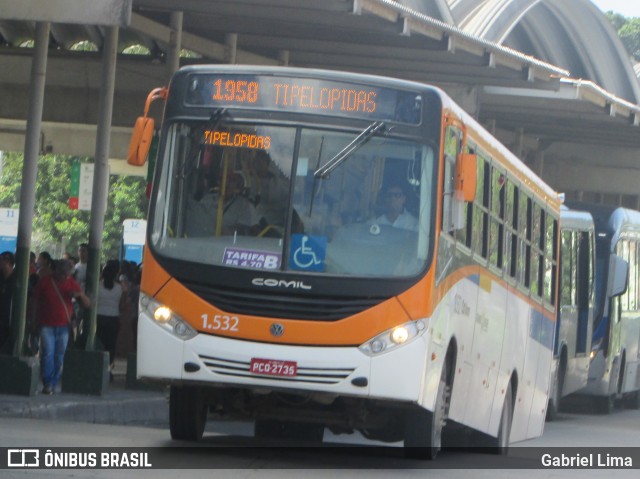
x=584 y=293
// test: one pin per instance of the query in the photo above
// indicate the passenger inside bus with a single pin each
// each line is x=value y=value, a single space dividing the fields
x=239 y=215
x=266 y=187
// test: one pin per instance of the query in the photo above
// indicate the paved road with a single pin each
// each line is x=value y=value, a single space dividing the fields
x=621 y=429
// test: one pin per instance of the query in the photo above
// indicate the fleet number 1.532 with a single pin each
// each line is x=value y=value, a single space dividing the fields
x=220 y=322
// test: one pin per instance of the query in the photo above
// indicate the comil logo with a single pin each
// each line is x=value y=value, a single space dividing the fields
x=23 y=458
x=282 y=283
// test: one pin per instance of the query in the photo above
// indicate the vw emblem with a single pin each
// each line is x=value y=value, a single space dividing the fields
x=277 y=329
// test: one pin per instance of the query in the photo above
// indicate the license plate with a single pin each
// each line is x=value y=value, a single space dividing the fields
x=273 y=367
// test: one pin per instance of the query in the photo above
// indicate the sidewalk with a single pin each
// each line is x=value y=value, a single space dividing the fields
x=116 y=406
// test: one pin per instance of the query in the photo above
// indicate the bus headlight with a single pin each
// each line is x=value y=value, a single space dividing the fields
x=393 y=338
x=166 y=319
x=162 y=314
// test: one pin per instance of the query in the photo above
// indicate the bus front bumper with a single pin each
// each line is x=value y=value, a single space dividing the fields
x=397 y=375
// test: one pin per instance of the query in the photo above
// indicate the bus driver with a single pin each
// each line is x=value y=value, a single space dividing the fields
x=395 y=213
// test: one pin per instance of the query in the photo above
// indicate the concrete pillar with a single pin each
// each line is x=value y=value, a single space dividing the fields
x=20 y=375
x=88 y=371
x=519 y=146
x=175 y=44
x=283 y=57
x=231 y=48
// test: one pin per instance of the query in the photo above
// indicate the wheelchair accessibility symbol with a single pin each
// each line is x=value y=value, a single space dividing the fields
x=307 y=252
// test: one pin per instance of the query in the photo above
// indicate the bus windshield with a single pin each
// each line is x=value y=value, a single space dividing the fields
x=246 y=196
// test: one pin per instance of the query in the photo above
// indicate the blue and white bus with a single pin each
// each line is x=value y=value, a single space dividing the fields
x=574 y=325
x=614 y=371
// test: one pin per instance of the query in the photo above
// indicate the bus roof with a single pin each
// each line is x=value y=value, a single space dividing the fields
x=577 y=220
x=612 y=220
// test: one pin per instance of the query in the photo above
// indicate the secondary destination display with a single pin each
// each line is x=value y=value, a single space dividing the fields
x=304 y=95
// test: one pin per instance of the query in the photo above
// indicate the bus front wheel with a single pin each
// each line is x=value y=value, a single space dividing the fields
x=423 y=429
x=187 y=413
x=556 y=396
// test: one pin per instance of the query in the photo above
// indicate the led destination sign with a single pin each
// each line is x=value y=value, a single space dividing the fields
x=305 y=95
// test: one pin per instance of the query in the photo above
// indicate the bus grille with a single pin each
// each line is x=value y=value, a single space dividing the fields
x=240 y=369
x=285 y=306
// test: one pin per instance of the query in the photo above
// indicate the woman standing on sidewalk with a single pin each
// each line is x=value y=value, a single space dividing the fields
x=112 y=301
x=52 y=309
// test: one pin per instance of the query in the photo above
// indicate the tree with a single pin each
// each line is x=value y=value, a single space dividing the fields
x=617 y=20
x=629 y=33
x=628 y=30
x=55 y=225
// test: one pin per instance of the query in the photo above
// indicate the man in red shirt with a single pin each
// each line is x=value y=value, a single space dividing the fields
x=53 y=308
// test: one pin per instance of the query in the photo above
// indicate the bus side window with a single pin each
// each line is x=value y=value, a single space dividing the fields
x=513 y=195
x=633 y=271
x=566 y=258
x=526 y=257
x=623 y=248
x=477 y=231
x=480 y=234
x=451 y=148
x=496 y=229
x=550 y=258
x=536 y=253
x=464 y=234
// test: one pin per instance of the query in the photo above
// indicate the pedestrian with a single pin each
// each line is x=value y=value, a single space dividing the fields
x=43 y=266
x=112 y=302
x=52 y=310
x=80 y=272
x=80 y=275
x=7 y=285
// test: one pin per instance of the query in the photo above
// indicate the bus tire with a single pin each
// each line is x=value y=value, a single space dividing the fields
x=187 y=413
x=554 y=401
x=423 y=429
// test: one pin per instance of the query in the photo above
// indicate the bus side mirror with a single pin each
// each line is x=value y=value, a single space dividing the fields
x=143 y=131
x=140 y=141
x=618 y=276
x=466 y=177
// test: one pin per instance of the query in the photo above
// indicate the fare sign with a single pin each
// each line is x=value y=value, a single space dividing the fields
x=273 y=367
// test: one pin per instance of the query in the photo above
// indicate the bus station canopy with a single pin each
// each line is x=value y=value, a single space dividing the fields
x=531 y=105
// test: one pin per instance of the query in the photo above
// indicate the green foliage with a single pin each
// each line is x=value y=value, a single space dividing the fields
x=628 y=31
x=54 y=223
x=616 y=19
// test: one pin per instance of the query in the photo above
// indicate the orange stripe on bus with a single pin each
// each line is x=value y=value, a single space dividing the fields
x=351 y=331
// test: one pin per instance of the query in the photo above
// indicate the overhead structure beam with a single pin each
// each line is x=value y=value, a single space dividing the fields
x=85 y=12
x=202 y=46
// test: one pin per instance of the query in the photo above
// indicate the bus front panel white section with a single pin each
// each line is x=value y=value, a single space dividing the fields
x=159 y=353
x=396 y=375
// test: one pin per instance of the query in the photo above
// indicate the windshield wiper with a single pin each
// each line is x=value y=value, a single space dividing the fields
x=348 y=150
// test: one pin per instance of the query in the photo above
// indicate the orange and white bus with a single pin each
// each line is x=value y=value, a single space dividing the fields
x=333 y=250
